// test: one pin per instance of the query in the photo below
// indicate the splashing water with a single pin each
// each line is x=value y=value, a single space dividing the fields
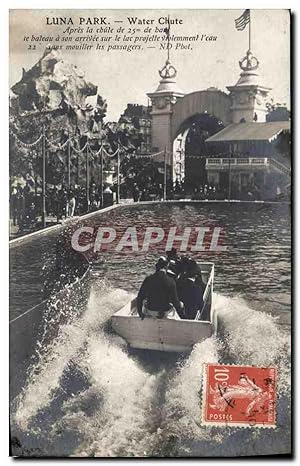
x=90 y=397
x=252 y=337
x=44 y=378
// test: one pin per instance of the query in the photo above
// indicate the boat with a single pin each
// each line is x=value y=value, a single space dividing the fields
x=170 y=333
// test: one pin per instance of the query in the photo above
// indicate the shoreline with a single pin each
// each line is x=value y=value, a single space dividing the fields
x=28 y=236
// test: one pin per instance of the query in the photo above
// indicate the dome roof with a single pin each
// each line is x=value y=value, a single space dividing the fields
x=168 y=85
x=248 y=78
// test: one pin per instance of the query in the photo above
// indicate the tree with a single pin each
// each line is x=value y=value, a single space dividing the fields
x=283 y=144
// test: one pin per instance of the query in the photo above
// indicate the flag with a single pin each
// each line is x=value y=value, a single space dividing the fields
x=242 y=21
x=167 y=31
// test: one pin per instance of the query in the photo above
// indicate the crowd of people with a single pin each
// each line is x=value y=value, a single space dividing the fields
x=184 y=190
x=147 y=192
x=23 y=206
x=66 y=202
x=211 y=192
x=153 y=190
x=176 y=283
x=199 y=192
x=62 y=202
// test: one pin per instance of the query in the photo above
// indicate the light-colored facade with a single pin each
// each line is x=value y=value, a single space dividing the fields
x=246 y=102
x=248 y=96
x=163 y=101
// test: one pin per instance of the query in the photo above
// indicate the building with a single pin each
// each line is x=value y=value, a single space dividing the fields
x=278 y=112
x=139 y=116
x=252 y=159
x=242 y=148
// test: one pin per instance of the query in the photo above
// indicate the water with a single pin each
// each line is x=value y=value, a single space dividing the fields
x=89 y=396
x=27 y=263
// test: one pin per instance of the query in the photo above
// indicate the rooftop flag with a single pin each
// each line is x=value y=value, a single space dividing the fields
x=243 y=20
x=167 y=32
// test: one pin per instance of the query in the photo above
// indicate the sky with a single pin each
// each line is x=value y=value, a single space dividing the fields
x=126 y=77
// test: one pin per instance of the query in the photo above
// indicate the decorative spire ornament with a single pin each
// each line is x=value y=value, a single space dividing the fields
x=168 y=71
x=249 y=62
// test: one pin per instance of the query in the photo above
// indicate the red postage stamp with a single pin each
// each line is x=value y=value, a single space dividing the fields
x=239 y=396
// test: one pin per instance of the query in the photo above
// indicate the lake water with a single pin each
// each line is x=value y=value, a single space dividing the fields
x=87 y=395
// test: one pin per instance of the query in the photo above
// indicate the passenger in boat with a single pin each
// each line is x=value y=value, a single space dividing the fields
x=190 y=291
x=182 y=265
x=159 y=292
x=172 y=270
x=195 y=269
x=173 y=257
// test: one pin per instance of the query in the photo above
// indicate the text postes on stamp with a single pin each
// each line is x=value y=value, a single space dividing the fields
x=239 y=396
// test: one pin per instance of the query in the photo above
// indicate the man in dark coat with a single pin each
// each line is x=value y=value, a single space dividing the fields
x=190 y=290
x=159 y=292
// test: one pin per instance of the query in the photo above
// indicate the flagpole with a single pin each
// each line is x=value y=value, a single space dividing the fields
x=168 y=38
x=249 y=30
x=44 y=178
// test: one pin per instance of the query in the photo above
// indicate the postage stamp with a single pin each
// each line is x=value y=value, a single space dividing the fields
x=242 y=396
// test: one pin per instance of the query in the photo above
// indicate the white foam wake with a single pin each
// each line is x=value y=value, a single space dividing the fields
x=246 y=337
x=126 y=411
x=252 y=337
x=124 y=394
x=44 y=378
x=182 y=409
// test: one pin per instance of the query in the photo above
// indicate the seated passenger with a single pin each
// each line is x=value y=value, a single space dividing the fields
x=190 y=293
x=159 y=292
x=194 y=268
x=171 y=270
x=174 y=259
x=183 y=265
x=172 y=255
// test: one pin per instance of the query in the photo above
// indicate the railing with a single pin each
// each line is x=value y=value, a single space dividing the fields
x=247 y=162
x=279 y=166
x=204 y=313
x=226 y=162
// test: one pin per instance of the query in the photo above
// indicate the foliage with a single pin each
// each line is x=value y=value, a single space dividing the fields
x=28 y=128
x=283 y=144
x=139 y=170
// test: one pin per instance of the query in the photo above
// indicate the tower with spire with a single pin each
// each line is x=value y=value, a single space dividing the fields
x=163 y=101
x=248 y=95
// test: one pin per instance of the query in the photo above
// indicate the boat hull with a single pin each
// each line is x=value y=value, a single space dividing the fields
x=170 y=333
x=161 y=334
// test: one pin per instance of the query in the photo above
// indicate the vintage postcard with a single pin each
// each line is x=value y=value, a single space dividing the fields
x=150 y=233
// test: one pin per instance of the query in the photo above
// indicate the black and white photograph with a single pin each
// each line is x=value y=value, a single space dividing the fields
x=150 y=188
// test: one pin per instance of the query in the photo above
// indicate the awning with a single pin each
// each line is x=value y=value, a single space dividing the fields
x=238 y=132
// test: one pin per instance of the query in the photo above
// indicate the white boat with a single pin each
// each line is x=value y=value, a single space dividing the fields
x=171 y=333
